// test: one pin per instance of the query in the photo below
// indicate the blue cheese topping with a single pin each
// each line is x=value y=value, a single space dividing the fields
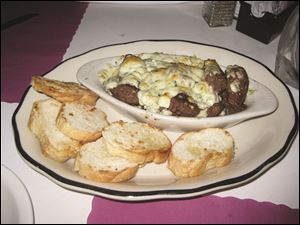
x=159 y=77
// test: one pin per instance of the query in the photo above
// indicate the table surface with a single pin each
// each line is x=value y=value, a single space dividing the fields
x=46 y=41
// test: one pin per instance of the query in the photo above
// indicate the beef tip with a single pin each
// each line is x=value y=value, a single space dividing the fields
x=214 y=76
x=237 y=85
x=181 y=106
x=126 y=93
x=231 y=109
x=215 y=109
x=217 y=81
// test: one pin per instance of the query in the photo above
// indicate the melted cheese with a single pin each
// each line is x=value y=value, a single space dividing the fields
x=160 y=77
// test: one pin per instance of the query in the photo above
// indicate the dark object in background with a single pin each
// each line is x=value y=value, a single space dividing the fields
x=287 y=59
x=265 y=28
x=218 y=13
x=16 y=21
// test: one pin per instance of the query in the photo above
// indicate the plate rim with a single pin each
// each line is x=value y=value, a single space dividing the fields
x=157 y=194
x=31 y=217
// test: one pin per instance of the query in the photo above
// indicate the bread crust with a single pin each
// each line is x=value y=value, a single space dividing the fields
x=190 y=168
x=80 y=134
x=60 y=155
x=75 y=133
x=94 y=162
x=208 y=159
x=156 y=156
x=38 y=125
x=104 y=176
x=64 y=91
x=136 y=152
x=193 y=168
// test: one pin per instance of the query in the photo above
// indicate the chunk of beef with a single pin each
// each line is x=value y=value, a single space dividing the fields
x=215 y=109
x=214 y=76
x=126 y=93
x=181 y=106
x=237 y=85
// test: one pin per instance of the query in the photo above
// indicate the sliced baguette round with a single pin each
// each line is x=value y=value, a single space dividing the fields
x=137 y=142
x=83 y=123
x=95 y=163
x=195 y=152
x=64 y=91
x=42 y=123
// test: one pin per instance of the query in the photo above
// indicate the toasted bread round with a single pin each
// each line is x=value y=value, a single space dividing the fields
x=42 y=123
x=95 y=163
x=81 y=122
x=64 y=91
x=195 y=152
x=137 y=142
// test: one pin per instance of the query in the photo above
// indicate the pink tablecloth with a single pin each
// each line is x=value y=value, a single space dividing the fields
x=201 y=210
x=38 y=45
